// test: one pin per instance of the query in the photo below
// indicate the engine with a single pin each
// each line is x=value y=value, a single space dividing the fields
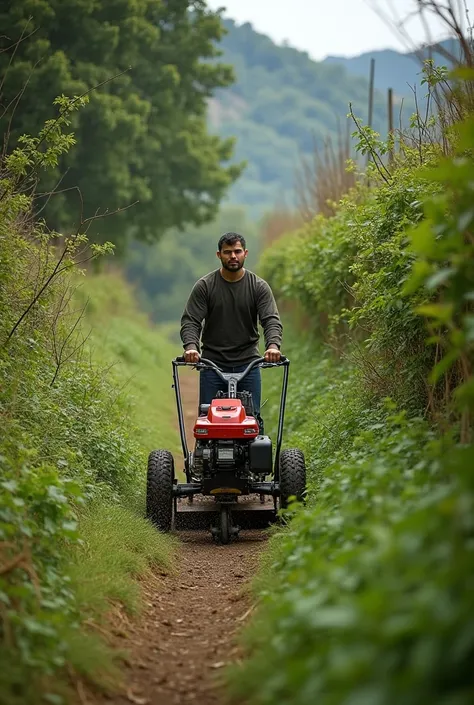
x=252 y=458
x=228 y=440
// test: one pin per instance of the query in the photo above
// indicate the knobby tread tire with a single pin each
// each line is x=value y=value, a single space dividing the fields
x=159 y=489
x=292 y=476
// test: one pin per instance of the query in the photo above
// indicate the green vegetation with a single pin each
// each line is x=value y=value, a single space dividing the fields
x=143 y=136
x=141 y=356
x=72 y=449
x=366 y=597
x=282 y=105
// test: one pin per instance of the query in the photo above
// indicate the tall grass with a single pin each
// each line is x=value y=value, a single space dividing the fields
x=324 y=178
x=139 y=353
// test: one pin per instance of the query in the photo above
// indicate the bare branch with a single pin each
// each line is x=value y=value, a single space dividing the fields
x=50 y=194
x=107 y=214
x=15 y=46
x=15 y=101
x=379 y=165
x=60 y=356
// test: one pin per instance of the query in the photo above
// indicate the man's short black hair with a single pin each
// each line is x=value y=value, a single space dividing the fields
x=230 y=239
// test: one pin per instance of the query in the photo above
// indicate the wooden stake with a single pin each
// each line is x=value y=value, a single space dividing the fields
x=390 y=124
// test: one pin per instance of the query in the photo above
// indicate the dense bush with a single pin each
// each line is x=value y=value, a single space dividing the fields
x=348 y=271
x=367 y=595
x=67 y=449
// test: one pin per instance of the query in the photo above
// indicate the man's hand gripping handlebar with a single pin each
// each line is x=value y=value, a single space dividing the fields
x=191 y=356
x=271 y=355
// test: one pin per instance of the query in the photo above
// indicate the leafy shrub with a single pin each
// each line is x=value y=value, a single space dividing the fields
x=348 y=271
x=444 y=267
x=366 y=597
x=353 y=594
x=67 y=440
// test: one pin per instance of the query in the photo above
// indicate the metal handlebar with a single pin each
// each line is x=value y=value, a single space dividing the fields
x=204 y=363
x=232 y=378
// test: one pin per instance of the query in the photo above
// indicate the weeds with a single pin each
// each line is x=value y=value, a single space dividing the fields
x=69 y=454
x=366 y=597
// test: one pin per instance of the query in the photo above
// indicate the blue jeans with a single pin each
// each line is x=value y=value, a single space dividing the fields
x=210 y=383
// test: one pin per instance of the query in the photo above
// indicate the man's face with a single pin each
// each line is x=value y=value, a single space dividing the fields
x=232 y=257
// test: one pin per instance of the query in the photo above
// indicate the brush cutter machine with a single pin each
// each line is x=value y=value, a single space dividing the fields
x=231 y=473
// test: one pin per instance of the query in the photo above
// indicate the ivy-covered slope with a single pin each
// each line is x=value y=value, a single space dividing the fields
x=367 y=595
x=73 y=449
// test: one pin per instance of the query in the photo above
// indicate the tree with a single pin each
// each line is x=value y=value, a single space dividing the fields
x=143 y=136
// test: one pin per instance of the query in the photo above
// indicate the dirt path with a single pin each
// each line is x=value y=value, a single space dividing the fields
x=186 y=634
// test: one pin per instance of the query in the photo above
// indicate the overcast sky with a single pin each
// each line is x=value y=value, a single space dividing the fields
x=336 y=27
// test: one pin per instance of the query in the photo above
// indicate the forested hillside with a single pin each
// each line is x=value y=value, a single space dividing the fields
x=281 y=104
x=393 y=69
x=366 y=597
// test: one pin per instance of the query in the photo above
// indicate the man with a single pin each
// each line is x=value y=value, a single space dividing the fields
x=230 y=301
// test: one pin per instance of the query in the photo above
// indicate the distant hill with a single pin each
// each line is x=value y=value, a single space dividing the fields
x=281 y=102
x=393 y=69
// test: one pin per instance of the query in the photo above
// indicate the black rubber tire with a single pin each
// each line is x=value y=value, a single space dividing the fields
x=224 y=525
x=159 y=489
x=292 y=476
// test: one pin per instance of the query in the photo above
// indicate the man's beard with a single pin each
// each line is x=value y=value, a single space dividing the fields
x=234 y=266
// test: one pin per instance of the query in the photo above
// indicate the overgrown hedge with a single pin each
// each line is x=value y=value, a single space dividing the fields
x=67 y=452
x=347 y=273
x=366 y=598
x=353 y=590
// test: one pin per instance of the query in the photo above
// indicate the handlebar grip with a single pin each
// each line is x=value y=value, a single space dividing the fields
x=202 y=361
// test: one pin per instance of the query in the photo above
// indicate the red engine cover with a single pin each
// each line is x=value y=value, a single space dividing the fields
x=226 y=418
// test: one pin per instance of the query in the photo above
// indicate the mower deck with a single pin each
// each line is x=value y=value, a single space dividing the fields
x=248 y=512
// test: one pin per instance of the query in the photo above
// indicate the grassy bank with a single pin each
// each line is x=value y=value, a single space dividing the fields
x=123 y=336
x=80 y=410
x=366 y=596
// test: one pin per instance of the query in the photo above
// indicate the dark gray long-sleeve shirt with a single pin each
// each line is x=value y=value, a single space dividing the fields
x=230 y=312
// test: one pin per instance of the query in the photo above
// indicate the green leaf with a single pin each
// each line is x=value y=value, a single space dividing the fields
x=439 y=277
x=469 y=327
x=9 y=485
x=463 y=73
x=465 y=219
x=423 y=240
x=442 y=313
x=464 y=394
x=420 y=271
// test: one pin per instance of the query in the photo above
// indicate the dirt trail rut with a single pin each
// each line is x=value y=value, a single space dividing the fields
x=186 y=633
